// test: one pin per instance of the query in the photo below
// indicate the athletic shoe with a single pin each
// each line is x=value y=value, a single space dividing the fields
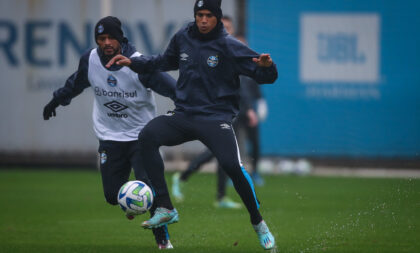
x=167 y=245
x=162 y=217
x=258 y=180
x=264 y=235
x=176 y=187
x=226 y=202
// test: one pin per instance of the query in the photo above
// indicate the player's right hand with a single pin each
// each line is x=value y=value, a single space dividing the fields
x=119 y=60
x=264 y=60
x=49 y=109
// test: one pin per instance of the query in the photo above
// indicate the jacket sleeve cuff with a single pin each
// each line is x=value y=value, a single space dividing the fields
x=137 y=65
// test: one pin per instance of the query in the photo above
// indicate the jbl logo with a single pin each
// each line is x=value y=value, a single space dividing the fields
x=339 y=48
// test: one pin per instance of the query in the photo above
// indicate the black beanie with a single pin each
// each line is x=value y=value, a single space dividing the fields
x=214 y=6
x=109 y=25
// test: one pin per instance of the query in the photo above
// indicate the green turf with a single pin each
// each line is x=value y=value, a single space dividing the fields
x=65 y=211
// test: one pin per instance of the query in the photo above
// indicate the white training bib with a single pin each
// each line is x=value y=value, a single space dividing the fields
x=122 y=106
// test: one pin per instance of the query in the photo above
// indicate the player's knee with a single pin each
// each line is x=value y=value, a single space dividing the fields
x=147 y=137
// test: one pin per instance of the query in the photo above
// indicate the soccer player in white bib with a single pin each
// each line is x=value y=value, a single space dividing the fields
x=124 y=103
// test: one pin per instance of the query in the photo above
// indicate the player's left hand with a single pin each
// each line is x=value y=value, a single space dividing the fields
x=119 y=60
x=263 y=61
x=49 y=109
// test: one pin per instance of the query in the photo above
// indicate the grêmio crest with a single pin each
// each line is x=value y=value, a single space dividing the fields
x=213 y=60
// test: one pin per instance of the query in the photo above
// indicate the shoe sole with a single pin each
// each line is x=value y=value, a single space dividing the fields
x=171 y=221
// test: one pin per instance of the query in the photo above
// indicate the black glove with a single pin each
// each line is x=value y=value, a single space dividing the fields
x=49 y=109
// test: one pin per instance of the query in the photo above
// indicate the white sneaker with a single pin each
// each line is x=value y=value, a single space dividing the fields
x=168 y=245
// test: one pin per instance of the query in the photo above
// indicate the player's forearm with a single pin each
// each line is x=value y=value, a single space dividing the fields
x=75 y=84
x=148 y=64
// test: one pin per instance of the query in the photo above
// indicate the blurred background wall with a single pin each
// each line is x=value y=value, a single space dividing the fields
x=348 y=86
x=349 y=82
x=41 y=42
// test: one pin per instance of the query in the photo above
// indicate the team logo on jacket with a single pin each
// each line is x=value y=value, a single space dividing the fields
x=225 y=126
x=183 y=56
x=200 y=3
x=212 y=61
x=103 y=157
x=112 y=81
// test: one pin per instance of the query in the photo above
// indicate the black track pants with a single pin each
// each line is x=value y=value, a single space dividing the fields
x=218 y=136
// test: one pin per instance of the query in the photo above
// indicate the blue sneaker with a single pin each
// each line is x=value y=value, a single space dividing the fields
x=264 y=235
x=176 y=187
x=162 y=217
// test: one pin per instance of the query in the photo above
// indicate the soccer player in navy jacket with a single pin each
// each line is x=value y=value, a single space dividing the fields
x=207 y=99
x=123 y=105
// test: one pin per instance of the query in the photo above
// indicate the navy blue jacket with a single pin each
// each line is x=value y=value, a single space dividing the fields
x=208 y=83
x=159 y=82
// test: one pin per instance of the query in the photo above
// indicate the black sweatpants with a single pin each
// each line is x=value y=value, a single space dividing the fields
x=252 y=135
x=218 y=136
x=117 y=158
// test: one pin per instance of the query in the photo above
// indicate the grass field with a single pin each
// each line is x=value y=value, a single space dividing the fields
x=65 y=211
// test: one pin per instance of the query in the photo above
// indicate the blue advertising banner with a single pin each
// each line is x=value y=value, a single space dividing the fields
x=349 y=82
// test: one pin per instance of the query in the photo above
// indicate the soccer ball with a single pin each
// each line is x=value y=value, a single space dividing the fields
x=135 y=197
